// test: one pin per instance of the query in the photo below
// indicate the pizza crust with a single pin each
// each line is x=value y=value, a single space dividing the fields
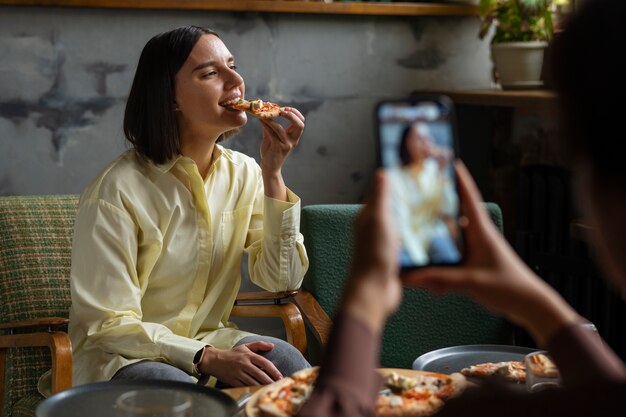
x=271 y=410
x=258 y=108
x=269 y=114
x=414 y=409
x=514 y=371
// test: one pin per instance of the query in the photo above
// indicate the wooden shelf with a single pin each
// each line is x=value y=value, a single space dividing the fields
x=502 y=98
x=274 y=6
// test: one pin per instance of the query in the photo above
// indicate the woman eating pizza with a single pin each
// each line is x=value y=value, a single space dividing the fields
x=161 y=231
x=588 y=75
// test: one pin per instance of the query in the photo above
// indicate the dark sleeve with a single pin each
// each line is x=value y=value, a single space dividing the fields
x=581 y=355
x=348 y=383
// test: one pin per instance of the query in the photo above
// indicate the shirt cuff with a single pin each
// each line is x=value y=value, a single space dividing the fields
x=578 y=343
x=282 y=218
x=181 y=356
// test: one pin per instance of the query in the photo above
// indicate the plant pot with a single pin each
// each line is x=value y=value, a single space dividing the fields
x=519 y=64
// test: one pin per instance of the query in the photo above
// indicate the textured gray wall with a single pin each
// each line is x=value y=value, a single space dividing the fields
x=65 y=74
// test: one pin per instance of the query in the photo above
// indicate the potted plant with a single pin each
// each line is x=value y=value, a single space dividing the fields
x=521 y=32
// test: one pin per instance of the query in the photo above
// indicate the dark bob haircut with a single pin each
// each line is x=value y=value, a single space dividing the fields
x=150 y=119
x=405 y=156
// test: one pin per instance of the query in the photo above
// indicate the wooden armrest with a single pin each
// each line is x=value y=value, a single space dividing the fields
x=33 y=323
x=288 y=312
x=60 y=350
x=314 y=316
x=260 y=296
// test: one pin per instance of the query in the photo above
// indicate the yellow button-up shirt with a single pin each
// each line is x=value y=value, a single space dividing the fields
x=156 y=259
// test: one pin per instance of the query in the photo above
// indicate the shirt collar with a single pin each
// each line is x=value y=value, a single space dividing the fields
x=168 y=165
x=219 y=152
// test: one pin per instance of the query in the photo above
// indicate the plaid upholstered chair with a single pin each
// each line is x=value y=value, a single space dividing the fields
x=35 y=249
x=35 y=255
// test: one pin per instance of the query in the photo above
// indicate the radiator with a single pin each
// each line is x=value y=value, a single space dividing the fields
x=545 y=210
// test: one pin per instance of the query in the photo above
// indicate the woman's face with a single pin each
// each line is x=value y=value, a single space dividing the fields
x=205 y=82
x=418 y=145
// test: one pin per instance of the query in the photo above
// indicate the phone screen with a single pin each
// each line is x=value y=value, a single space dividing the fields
x=416 y=146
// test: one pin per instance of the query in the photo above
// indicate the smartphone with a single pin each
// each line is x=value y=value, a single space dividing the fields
x=417 y=145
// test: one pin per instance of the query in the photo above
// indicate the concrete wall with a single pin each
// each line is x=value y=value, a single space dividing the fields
x=65 y=74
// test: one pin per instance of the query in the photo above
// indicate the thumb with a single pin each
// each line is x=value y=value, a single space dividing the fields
x=439 y=280
x=377 y=198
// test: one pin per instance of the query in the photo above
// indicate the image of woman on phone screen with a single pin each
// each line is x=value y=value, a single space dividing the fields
x=426 y=201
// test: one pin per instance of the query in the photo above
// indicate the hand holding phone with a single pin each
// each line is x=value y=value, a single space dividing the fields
x=416 y=147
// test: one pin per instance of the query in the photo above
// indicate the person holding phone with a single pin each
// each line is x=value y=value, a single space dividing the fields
x=161 y=232
x=587 y=73
x=426 y=199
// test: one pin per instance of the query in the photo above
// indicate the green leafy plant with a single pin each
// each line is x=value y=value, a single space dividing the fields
x=518 y=20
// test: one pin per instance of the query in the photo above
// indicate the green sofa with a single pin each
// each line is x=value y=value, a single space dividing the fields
x=424 y=322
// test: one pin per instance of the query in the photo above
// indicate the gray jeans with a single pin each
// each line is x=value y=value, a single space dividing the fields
x=284 y=356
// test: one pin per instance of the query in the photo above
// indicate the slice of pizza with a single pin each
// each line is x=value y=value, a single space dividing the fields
x=418 y=396
x=306 y=376
x=543 y=366
x=257 y=108
x=510 y=370
x=285 y=397
x=275 y=401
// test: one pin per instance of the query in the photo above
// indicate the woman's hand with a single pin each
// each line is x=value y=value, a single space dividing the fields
x=241 y=365
x=494 y=275
x=278 y=142
x=373 y=290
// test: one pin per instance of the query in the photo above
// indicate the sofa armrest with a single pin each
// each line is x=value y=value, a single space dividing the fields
x=258 y=297
x=314 y=316
x=274 y=304
x=60 y=350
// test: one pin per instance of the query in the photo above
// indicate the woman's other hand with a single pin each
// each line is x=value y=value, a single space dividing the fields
x=494 y=275
x=241 y=365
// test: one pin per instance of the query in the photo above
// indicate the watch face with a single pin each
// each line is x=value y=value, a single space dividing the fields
x=198 y=356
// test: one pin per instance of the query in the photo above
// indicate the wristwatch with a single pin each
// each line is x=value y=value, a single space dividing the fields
x=196 y=361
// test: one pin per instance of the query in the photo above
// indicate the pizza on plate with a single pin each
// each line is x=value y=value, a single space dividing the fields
x=285 y=397
x=510 y=370
x=514 y=371
x=542 y=366
x=258 y=108
x=417 y=394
